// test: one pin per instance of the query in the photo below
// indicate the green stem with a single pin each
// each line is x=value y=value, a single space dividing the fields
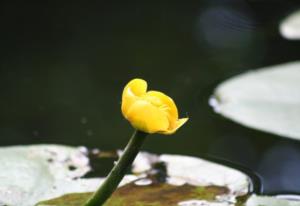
x=117 y=173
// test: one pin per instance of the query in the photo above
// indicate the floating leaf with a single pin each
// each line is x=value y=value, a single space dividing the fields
x=189 y=181
x=29 y=174
x=270 y=201
x=200 y=172
x=267 y=99
x=158 y=194
x=290 y=26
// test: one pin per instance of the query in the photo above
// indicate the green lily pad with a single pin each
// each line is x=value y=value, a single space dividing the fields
x=34 y=173
x=267 y=99
x=270 y=201
x=29 y=174
x=290 y=26
x=159 y=194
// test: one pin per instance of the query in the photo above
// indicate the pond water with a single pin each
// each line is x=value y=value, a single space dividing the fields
x=63 y=68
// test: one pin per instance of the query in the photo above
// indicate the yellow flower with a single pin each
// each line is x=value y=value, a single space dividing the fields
x=150 y=112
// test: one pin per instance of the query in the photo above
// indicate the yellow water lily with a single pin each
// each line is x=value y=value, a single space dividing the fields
x=149 y=111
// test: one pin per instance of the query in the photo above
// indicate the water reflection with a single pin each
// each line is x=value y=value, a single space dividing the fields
x=284 y=175
x=225 y=27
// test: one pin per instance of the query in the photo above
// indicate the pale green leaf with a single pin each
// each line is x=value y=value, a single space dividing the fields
x=290 y=26
x=270 y=201
x=29 y=174
x=157 y=194
x=267 y=99
x=191 y=181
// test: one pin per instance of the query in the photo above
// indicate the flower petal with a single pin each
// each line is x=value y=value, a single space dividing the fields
x=178 y=124
x=146 y=117
x=131 y=92
x=170 y=107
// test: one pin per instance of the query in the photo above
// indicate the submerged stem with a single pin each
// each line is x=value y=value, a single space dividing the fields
x=119 y=170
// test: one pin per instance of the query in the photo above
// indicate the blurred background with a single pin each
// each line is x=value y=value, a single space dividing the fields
x=63 y=68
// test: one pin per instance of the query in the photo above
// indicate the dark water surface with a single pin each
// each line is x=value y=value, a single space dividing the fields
x=63 y=68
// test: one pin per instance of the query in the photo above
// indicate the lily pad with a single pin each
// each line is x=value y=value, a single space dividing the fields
x=150 y=195
x=290 y=26
x=270 y=201
x=267 y=99
x=32 y=174
x=189 y=181
x=29 y=174
x=169 y=196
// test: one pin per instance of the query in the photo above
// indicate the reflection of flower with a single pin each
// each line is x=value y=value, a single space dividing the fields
x=150 y=112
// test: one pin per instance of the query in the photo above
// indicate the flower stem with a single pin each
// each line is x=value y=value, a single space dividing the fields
x=119 y=170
